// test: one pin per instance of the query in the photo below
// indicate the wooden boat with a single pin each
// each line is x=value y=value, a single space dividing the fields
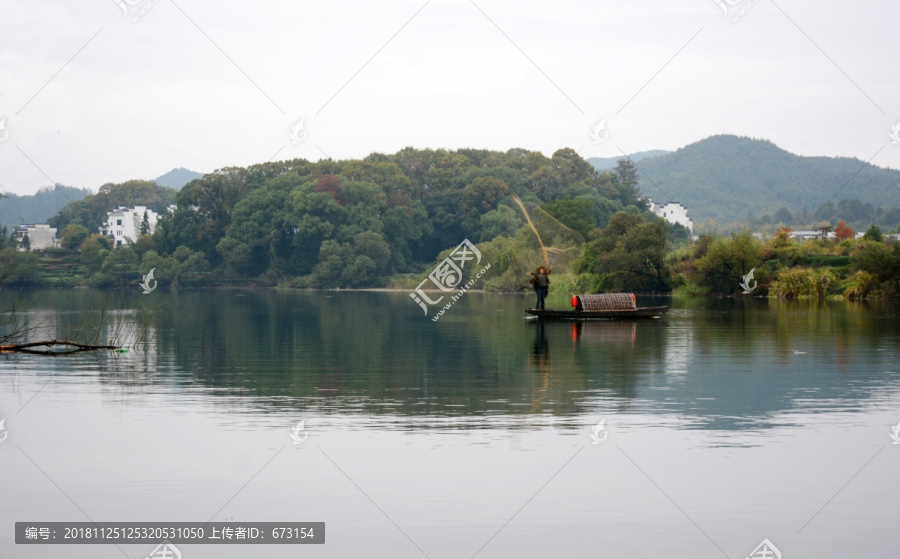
x=640 y=312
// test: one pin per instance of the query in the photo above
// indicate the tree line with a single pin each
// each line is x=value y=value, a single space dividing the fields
x=345 y=223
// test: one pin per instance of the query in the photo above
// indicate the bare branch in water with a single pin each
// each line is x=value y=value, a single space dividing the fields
x=73 y=347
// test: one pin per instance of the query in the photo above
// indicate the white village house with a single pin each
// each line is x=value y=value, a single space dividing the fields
x=673 y=212
x=806 y=235
x=40 y=236
x=123 y=225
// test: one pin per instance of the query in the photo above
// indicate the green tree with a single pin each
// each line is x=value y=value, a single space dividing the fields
x=91 y=248
x=882 y=262
x=483 y=195
x=545 y=182
x=190 y=267
x=145 y=224
x=145 y=243
x=120 y=267
x=873 y=233
x=727 y=261
x=631 y=253
x=205 y=208
x=678 y=234
x=238 y=257
x=163 y=268
x=351 y=264
x=626 y=183
x=73 y=236
x=502 y=221
x=26 y=243
x=20 y=269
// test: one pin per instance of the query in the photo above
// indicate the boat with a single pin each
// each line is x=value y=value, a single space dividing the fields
x=640 y=312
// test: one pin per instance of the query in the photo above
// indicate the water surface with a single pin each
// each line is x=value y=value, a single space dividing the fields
x=725 y=422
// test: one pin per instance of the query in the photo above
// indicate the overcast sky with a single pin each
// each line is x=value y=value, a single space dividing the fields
x=92 y=96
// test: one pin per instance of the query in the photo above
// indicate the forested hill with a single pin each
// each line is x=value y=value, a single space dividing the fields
x=609 y=163
x=730 y=179
x=38 y=207
x=353 y=222
x=176 y=178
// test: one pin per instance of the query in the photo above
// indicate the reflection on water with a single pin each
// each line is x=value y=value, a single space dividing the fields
x=713 y=363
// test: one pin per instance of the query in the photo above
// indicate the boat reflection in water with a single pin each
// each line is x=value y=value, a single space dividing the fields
x=612 y=332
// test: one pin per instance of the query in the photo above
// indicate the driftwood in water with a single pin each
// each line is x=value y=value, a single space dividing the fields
x=73 y=347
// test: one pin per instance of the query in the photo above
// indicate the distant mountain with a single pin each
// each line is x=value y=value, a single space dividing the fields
x=607 y=163
x=176 y=178
x=38 y=207
x=730 y=178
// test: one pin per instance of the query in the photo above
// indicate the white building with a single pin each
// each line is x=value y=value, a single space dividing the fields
x=673 y=212
x=40 y=236
x=123 y=225
x=805 y=235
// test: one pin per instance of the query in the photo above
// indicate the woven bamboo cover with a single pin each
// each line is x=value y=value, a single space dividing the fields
x=607 y=302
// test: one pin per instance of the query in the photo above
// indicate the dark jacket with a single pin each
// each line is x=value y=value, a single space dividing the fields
x=540 y=280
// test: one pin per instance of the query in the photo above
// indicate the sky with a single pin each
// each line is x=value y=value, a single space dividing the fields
x=99 y=91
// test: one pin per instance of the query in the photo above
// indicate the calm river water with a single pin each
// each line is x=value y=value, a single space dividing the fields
x=724 y=423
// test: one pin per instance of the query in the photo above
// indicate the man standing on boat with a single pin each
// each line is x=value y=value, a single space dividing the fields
x=541 y=284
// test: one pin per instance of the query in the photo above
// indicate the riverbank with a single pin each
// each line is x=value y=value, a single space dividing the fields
x=736 y=266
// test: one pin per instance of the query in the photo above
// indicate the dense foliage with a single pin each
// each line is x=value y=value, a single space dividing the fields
x=854 y=268
x=347 y=223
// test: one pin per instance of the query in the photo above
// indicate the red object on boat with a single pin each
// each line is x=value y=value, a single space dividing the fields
x=574 y=301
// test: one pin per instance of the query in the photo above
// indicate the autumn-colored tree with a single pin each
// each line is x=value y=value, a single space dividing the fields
x=397 y=198
x=331 y=185
x=843 y=231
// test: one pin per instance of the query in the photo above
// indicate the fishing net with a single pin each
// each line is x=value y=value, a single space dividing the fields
x=556 y=245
